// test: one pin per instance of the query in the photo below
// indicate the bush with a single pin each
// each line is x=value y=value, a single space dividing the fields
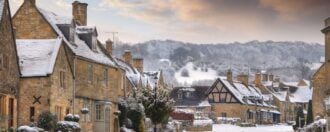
x=136 y=116
x=47 y=121
x=67 y=126
x=122 y=106
x=68 y=117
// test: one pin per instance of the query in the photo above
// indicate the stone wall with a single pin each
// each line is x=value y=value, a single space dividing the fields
x=9 y=69
x=318 y=82
x=30 y=24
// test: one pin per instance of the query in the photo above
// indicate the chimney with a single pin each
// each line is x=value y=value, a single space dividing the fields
x=244 y=79
x=257 y=79
x=79 y=12
x=109 y=46
x=271 y=77
x=327 y=40
x=33 y=2
x=128 y=57
x=138 y=64
x=230 y=76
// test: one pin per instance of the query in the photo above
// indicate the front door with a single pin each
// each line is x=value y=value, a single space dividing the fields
x=11 y=113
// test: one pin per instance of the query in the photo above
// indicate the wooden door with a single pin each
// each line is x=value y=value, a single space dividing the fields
x=11 y=113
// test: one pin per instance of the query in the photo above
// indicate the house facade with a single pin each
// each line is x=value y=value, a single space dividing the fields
x=9 y=69
x=91 y=76
x=320 y=79
x=46 y=81
x=236 y=99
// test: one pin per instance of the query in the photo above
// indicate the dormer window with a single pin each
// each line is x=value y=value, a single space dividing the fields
x=72 y=33
x=94 y=43
x=180 y=95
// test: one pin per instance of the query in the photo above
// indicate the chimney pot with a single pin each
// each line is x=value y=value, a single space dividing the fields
x=327 y=22
x=128 y=57
x=230 y=76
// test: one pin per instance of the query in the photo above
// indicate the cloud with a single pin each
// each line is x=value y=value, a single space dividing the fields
x=292 y=10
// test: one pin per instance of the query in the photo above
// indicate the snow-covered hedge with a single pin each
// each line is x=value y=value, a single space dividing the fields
x=67 y=126
x=70 y=124
x=29 y=129
x=318 y=125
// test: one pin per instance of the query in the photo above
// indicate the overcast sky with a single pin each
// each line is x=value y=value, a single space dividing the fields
x=201 y=21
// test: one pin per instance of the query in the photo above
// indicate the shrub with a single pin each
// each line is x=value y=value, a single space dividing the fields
x=68 y=117
x=76 y=118
x=47 y=121
x=67 y=126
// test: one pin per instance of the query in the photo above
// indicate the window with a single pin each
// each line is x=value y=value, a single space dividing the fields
x=105 y=75
x=5 y=62
x=1 y=62
x=94 y=43
x=32 y=114
x=99 y=112
x=2 y=105
x=223 y=114
x=62 y=79
x=223 y=97
x=180 y=95
x=58 y=112
x=90 y=73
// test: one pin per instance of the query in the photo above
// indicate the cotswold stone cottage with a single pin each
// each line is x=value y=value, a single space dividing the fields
x=77 y=72
x=320 y=80
x=9 y=69
x=46 y=81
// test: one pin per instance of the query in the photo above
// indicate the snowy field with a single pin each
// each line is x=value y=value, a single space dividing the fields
x=232 y=128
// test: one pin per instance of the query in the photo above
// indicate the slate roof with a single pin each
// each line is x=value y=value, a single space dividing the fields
x=197 y=96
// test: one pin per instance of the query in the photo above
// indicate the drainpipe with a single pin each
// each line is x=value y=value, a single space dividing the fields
x=74 y=85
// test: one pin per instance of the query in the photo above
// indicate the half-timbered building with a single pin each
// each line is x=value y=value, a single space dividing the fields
x=238 y=100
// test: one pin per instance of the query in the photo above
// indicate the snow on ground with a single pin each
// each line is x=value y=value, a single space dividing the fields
x=195 y=75
x=262 y=128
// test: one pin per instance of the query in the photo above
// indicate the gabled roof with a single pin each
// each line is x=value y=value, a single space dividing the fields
x=281 y=95
x=79 y=47
x=302 y=95
x=2 y=6
x=37 y=57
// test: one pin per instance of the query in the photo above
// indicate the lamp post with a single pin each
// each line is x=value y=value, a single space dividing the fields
x=155 y=101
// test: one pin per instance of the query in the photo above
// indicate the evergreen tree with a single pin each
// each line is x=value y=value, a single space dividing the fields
x=310 y=117
x=300 y=119
x=158 y=104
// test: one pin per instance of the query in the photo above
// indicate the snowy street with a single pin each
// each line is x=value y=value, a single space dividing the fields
x=260 y=128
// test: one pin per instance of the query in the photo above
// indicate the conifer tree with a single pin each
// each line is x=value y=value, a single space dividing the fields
x=310 y=117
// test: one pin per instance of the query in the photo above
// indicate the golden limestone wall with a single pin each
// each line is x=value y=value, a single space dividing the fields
x=30 y=24
x=9 y=72
x=319 y=90
x=52 y=94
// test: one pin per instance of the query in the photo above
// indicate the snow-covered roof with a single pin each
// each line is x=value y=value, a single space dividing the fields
x=2 y=5
x=79 y=47
x=86 y=29
x=302 y=95
x=281 y=95
x=37 y=57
